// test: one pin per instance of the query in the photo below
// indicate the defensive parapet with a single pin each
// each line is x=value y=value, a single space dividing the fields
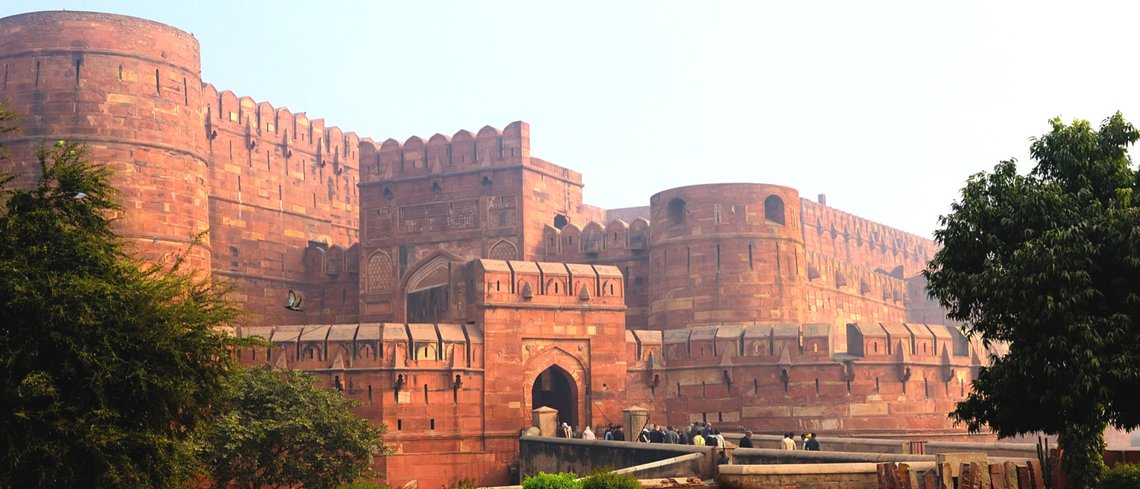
x=863 y=242
x=130 y=90
x=462 y=152
x=280 y=184
x=271 y=158
x=594 y=242
x=840 y=292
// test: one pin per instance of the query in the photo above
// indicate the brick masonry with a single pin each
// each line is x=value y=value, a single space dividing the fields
x=448 y=279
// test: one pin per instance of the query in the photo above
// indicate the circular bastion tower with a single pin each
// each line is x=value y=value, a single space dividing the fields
x=726 y=253
x=128 y=88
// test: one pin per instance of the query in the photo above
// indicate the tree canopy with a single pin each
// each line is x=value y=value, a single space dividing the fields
x=107 y=364
x=283 y=431
x=1049 y=262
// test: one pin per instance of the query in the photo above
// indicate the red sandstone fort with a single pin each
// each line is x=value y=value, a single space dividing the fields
x=452 y=284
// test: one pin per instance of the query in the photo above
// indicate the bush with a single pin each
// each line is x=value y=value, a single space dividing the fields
x=364 y=485
x=1122 y=476
x=464 y=483
x=610 y=480
x=563 y=480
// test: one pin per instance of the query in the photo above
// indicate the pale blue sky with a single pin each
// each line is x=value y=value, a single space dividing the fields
x=886 y=107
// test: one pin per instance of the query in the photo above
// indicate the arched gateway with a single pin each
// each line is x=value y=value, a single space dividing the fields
x=555 y=388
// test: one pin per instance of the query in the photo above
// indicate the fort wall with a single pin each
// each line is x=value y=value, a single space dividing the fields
x=469 y=195
x=130 y=90
x=453 y=284
x=725 y=252
x=280 y=182
x=862 y=242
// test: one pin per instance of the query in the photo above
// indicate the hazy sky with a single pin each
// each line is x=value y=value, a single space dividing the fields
x=886 y=107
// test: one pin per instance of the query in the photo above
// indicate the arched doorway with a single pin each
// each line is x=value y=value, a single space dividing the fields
x=554 y=388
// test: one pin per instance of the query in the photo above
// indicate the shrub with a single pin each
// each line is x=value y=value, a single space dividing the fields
x=564 y=480
x=610 y=480
x=364 y=485
x=464 y=483
x=1122 y=476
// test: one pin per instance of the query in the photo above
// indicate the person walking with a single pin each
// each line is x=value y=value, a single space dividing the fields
x=812 y=443
x=788 y=443
x=587 y=434
x=719 y=438
x=698 y=440
x=671 y=435
x=746 y=442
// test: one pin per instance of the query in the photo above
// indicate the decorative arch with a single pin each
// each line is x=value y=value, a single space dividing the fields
x=426 y=289
x=559 y=362
x=379 y=273
x=431 y=271
x=503 y=250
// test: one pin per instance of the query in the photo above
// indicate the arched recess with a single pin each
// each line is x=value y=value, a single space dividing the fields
x=426 y=289
x=676 y=212
x=379 y=273
x=555 y=376
x=774 y=209
x=502 y=250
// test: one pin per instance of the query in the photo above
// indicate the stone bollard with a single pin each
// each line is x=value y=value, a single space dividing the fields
x=633 y=418
x=546 y=419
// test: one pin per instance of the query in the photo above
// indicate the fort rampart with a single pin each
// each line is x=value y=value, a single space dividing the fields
x=455 y=283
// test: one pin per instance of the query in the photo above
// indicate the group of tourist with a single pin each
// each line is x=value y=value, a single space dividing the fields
x=700 y=434
x=808 y=441
x=696 y=433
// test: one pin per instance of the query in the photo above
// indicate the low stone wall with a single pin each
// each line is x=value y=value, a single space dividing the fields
x=805 y=476
x=671 y=467
x=582 y=457
x=865 y=445
x=1011 y=450
x=762 y=456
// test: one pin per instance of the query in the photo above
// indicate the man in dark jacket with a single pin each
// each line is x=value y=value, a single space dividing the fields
x=812 y=442
x=656 y=435
x=746 y=442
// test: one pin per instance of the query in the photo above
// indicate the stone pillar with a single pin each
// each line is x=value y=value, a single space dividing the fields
x=633 y=418
x=546 y=419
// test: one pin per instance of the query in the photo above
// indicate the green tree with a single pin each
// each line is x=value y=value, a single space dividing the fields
x=283 y=430
x=1049 y=263
x=106 y=363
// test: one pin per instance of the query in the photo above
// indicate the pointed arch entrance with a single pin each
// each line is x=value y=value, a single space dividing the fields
x=555 y=388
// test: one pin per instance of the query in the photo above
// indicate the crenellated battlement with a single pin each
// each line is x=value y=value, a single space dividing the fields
x=463 y=151
x=260 y=122
x=593 y=241
x=876 y=285
x=858 y=240
x=367 y=345
x=548 y=283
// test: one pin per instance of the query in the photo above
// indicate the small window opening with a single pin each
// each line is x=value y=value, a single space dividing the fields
x=774 y=209
x=676 y=212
